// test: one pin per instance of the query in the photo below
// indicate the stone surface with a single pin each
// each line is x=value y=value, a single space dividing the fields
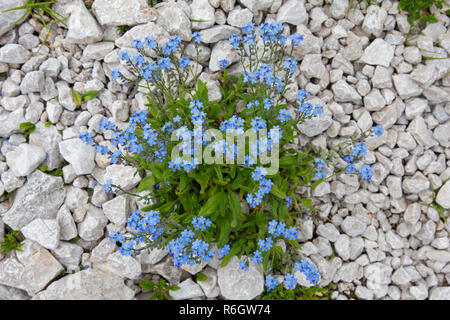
x=122 y=13
x=93 y=225
x=203 y=11
x=83 y=28
x=293 y=12
x=90 y=284
x=237 y=284
x=43 y=231
x=188 y=290
x=68 y=254
x=173 y=18
x=443 y=196
x=379 y=52
x=25 y=159
x=9 y=19
x=40 y=197
x=117 y=210
x=31 y=271
x=78 y=154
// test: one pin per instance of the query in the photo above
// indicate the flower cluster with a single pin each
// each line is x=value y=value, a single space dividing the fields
x=310 y=271
x=265 y=185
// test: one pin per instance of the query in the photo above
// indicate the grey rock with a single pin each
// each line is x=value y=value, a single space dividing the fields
x=93 y=225
x=188 y=290
x=32 y=271
x=342 y=247
x=14 y=53
x=173 y=18
x=415 y=107
x=421 y=133
x=83 y=28
x=25 y=159
x=119 y=13
x=116 y=210
x=51 y=67
x=443 y=196
x=316 y=125
x=374 y=20
x=412 y=55
x=43 y=231
x=48 y=138
x=10 y=293
x=218 y=33
x=349 y=272
x=90 y=284
x=255 y=5
x=10 y=122
x=69 y=254
x=122 y=176
x=209 y=286
x=440 y=293
x=40 y=197
x=415 y=184
x=235 y=283
x=98 y=51
x=363 y=293
x=405 y=86
x=238 y=17
x=167 y=270
x=67 y=227
x=202 y=10
x=124 y=266
x=312 y=66
x=438 y=255
x=401 y=277
x=343 y=92
x=293 y=12
x=353 y=226
x=10 y=19
x=139 y=32
x=328 y=231
x=32 y=82
x=152 y=256
x=379 y=52
x=79 y=155
x=222 y=51
x=101 y=252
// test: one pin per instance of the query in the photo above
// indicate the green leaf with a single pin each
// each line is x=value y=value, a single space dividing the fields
x=307 y=204
x=174 y=288
x=277 y=192
x=76 y=97
x=235 y=206
x=202 y=179
x=201 y=277
x=48 y=124
x=211 y=205
x=89 y=95
x=27 y=127
x=147 y=285
x=146 y=184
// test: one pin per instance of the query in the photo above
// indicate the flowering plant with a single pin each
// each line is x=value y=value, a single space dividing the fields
x=221 y=191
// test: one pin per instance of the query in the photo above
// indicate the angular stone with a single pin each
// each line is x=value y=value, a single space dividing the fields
x=124 y=266
x=117 y=210
x=14 y=53
x=237 y=284
x=312 y=66
x=188 y=290
x=343 y=92
x=43 y=231
x=25 y=159
x=90 y=284
x=10 y=19
x=31 y=273
x=415 y=184
x=256 y=5
x=218 y=33
x=293 y=12
x=123 y=13
x=328 y=231
x=67 y=227
x=32 y=82
x=405 y=86
x=353 y=226
x=69 y=254
x=79 y=155
x=173 y=18
x=379 y=52
x=209 y=286
x=48 y=138
x=83 y=28
x=238 y=17
x=421 y=133
x=222 y=51
x=440 y=293
x=202 y=10
x=443 y=196
x=98 y=51
x=40 y=197
x=139 y=32
x=10 y=122
x=93 y=225
x=374 y=20
x=122 y=176
x=318 y=124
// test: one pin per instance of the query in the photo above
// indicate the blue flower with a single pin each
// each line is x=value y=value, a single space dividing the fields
x=150 y=42
x=348 y=158
x=177 y=119
x=164 y=63
x=378 y=130
x=351 y=169
x=223 y=251
x=366 y=172
x=290 y=64
x=284 y=116
x=291 y=233
x=201 y=223
x=268 y=103
x=271 y=282
x=359 y=150
x=258 y=123
x=184 y=62
x=310 y=271
x=235 y=40
x=318 y=110
x=296 y=39
x=320 y=163
x=115 y=156
x=290 y=281
x=124 y=56
x=257 y=257
x=259 y=173
x=87 y=138
x=265 y=245
x=115 y=236
x=115 y=74
x=197 y=37
x=137 y=44
x=248 y=28
x=288 y=201
x=320 y=174
x=243 y=265
x=223 y=64
x=107 y=187
x=302 y=95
